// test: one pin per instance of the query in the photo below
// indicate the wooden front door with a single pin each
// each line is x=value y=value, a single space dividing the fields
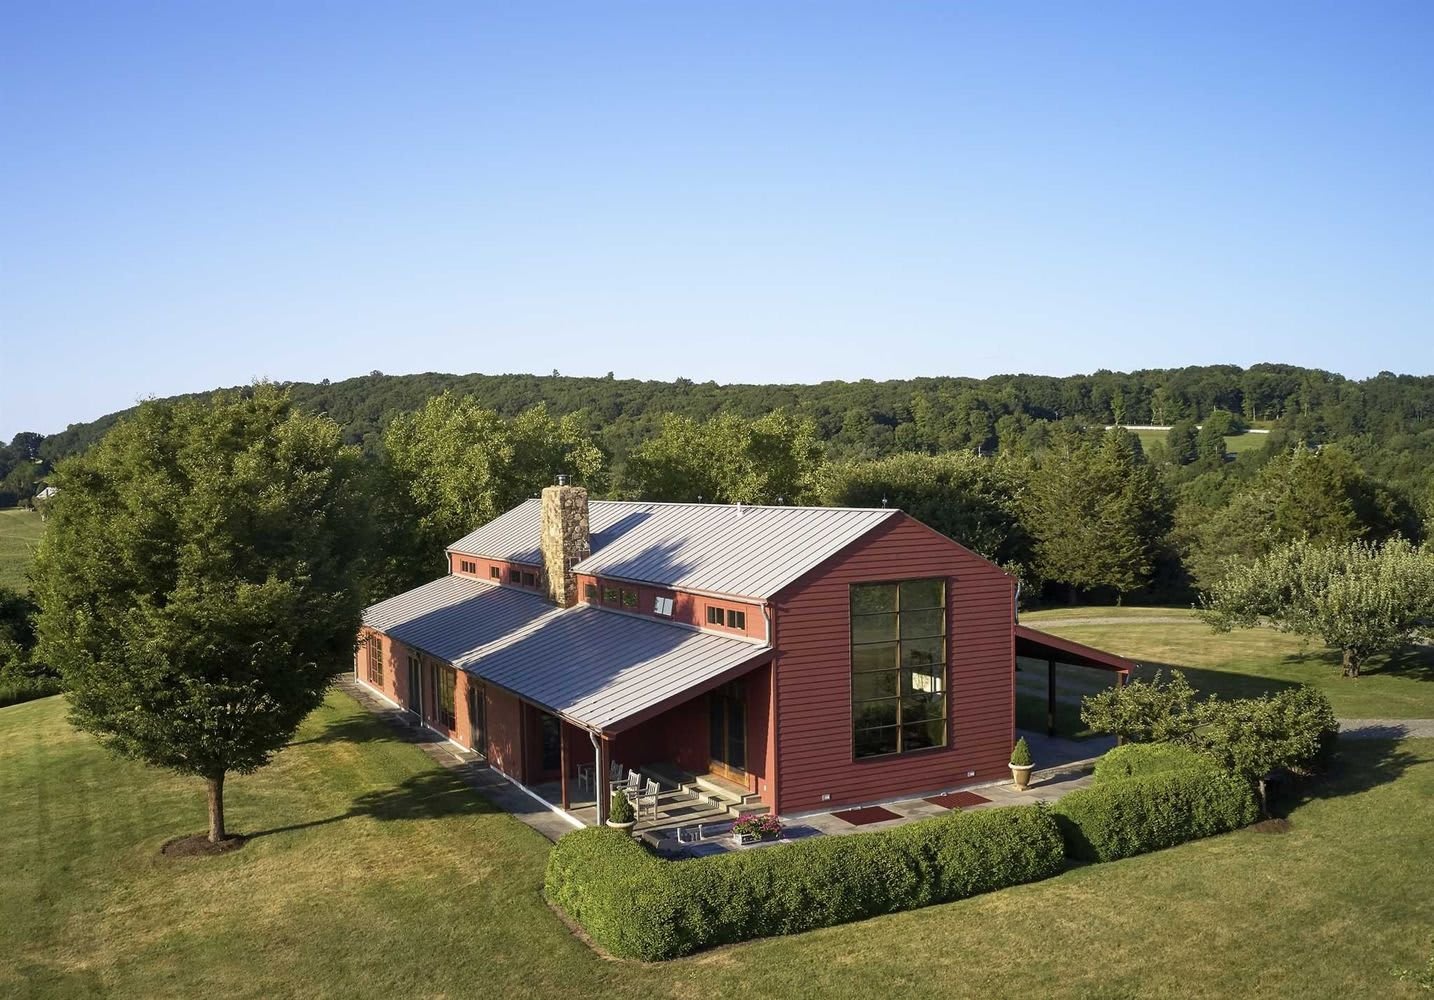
x=727 y=733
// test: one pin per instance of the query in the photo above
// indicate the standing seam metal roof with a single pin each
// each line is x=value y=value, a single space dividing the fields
x=596 y=667
x=720 y=548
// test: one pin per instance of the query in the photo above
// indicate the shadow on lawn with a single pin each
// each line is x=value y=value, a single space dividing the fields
x=1357 y=767
x=353 y=729
x=1223 y=683
x=430 y=795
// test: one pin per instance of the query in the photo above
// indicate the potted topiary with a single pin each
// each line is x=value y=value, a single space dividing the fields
x=1021 y=765
x=619 y=813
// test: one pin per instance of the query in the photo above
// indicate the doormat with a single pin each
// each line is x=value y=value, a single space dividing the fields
x=870 y=814
x=955 y=800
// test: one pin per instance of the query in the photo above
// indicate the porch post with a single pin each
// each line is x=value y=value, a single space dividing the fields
x=1120 y=678
x=1051 y=697
x=600 y=792
x=563 y=761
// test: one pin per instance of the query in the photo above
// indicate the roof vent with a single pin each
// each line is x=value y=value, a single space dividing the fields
x=562 y=479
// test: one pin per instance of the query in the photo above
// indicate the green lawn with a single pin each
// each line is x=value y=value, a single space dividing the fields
x=1250 y=661
x=1234 y=443
x=19 y=533
x=379 y=875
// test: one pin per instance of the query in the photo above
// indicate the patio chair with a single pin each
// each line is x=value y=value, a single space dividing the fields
x=585 y=778
x=633 y=787
x=648 y=797
x=614 y=772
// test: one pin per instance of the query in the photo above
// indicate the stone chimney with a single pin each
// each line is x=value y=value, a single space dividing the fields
x=565 y=539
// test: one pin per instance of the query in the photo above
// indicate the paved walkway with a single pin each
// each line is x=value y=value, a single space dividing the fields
x=465 y=764
x=1386 y=729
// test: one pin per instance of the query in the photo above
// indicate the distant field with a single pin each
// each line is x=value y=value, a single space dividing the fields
x=19 y=533
x=1234 y=443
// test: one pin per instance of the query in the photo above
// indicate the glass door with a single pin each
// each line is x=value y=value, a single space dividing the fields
x=727 y=732
x=478 y=719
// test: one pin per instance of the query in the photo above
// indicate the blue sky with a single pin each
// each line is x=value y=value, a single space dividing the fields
x=199 y=194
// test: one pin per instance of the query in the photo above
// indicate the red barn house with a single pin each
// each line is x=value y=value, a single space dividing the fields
x=816 y=657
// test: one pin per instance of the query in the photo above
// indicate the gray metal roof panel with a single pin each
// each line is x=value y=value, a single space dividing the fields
x=594 y=666
x=721 y=548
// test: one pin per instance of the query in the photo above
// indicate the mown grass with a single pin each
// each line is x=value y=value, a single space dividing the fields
x=1235 y=444
x=377 y=874
x=1250 y=661
x=19 y=534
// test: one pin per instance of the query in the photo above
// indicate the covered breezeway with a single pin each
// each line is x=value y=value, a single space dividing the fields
x=1053 y=650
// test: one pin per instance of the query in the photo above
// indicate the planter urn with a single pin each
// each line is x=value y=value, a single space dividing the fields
x=1021 y=775
x=627 y=827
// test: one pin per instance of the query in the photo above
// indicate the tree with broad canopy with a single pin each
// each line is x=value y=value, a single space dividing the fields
x=1359 y=598
x=196 y=581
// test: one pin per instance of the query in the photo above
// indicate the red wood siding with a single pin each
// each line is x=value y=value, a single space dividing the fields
x=689 y=609
x=814 y=673
x=680 y=736
x=483 y=570
x=505 y=733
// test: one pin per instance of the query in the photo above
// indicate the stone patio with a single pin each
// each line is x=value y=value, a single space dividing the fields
x=1046 y=785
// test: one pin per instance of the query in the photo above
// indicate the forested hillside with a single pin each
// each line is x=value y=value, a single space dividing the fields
x=869 y=419
x=1019 y=467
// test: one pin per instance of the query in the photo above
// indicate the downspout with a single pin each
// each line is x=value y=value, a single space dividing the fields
x=599 y=779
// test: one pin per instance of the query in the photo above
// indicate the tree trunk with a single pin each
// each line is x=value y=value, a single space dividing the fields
x=216 y=809
x=1071 y=594
x=1351 y=663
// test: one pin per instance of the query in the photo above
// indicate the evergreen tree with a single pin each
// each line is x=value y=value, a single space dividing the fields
x=1182 y=439
x=1098 y=512
x=1319 y=495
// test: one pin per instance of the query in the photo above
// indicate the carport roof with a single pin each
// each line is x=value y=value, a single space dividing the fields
x=601 y=669
x=1044 y=646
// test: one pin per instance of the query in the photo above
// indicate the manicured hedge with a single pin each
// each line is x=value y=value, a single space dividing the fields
x=640 y=906
x=1144 y=798
x=1135 y=760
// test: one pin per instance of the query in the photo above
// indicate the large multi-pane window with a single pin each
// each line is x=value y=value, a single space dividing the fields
x=443 y=680
x=375 y=661
x=898 y=666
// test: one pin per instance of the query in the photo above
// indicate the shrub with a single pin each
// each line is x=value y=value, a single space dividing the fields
x=15 y=690
x=1021 y=754
x=1136 y=760
x=639 y=906
x=1293 y=730
x=1146 y=799
x=620 y=809
x=1144 y=711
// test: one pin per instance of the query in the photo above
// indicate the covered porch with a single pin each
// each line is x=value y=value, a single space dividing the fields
x=703 y=756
